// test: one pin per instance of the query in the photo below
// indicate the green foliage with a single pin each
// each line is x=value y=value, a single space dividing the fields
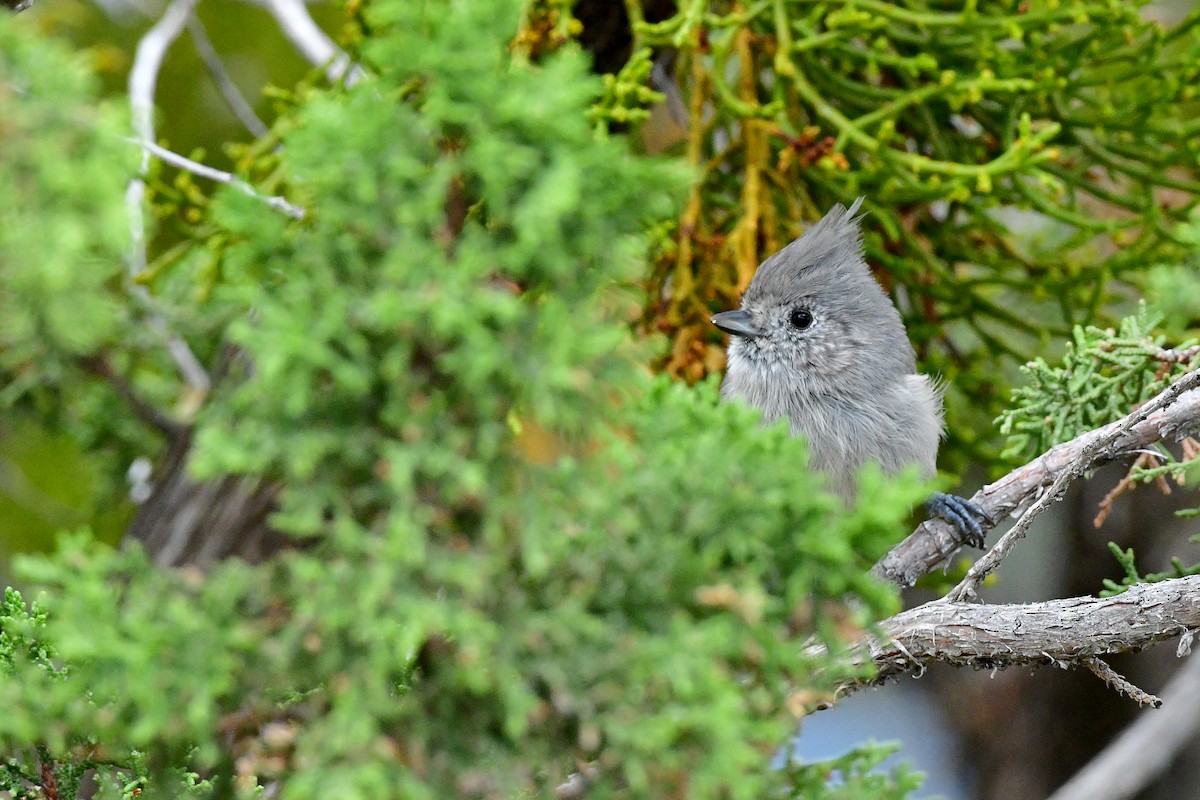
x=1013 y=157
x=1103 y=376
x=63 y=243
x=51 y=484
x=854 y=776
x=621 y=615
x=19 y=784
x=1174 y=290
x=59 y=182
x=526 y=554
x=1132 y=577
x=24 y=652
x=626 y=96
x=22 y=636
x=1183 y=471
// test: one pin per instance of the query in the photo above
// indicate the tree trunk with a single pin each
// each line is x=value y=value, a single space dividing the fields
x=186 y=522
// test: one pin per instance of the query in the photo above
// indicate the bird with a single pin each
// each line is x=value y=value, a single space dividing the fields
x=818 y=341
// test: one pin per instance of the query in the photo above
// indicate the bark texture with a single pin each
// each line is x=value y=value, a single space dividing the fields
x=935 y=541
x=1061 y=633
x=193 y=523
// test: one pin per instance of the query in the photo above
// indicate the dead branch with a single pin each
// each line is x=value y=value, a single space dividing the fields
x=1126 y=484
x=1172 y=415
x=1120 y=684
x=1067 y=633
x=220 y=176
x=216 y=69
x=143 y=79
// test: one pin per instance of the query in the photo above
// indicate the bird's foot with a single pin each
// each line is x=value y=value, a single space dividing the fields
x=967 y=517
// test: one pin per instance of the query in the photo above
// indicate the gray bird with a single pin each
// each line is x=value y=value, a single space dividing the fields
x=819 y=342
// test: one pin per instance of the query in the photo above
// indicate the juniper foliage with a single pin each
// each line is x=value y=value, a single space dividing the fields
x=525 y=557
x=1023 y=163
x=1103 y=376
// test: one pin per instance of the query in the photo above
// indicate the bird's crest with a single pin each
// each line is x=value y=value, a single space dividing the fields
x=831 y=246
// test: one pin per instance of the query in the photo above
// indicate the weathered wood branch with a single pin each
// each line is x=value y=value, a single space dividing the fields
x=1173 y=414
x=1062 y=633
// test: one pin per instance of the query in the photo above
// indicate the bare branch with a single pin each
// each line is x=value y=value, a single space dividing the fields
x=1068 y=633
x=143 y=77
x=1099 y=448
x=1064 y=633
x=1172 y=415
x=1143 y=750
x=145 y=411
x=1127 y=483
x=1120 y=684
x=204 y=171
x=311 y=41
x=229 y=90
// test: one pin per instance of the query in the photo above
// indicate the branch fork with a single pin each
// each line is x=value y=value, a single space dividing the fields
x=1069 y=633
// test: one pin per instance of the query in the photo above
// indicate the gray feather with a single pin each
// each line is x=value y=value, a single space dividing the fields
x=847 y=382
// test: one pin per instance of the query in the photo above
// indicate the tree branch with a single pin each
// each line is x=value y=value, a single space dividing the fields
x=1171 y=415
x=1100 y=447
x=229 y=90
x=143 y=409
x=1120 y=684
x=220 y=176
x=1067 y=633
x=311 y=41
x=1143 y=750
x=143 y=78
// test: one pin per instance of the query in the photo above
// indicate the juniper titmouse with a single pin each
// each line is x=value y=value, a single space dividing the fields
x=818 y=341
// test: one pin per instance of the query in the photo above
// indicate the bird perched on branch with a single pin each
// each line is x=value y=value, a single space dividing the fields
x=819 y=342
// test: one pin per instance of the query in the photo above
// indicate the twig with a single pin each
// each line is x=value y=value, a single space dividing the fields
x=204 y=171
x=1064 y=633
x=1171 y=357
x=1119 y=683
x=1173 y=414
x=143 y=78
x=1105 y=506
x=1143 y=750
x=49 y=784
x=145 y=411
x=311 y=41
x=229 y=90
x=1103 y=443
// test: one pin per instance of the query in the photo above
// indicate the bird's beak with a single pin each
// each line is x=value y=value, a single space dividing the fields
x=739 y=323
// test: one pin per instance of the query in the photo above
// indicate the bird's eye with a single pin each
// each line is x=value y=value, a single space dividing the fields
x=801 y=318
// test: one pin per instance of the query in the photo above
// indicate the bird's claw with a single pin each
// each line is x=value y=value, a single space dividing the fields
x=967 y=517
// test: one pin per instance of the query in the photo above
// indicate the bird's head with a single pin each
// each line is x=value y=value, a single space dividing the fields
x=814 y=313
